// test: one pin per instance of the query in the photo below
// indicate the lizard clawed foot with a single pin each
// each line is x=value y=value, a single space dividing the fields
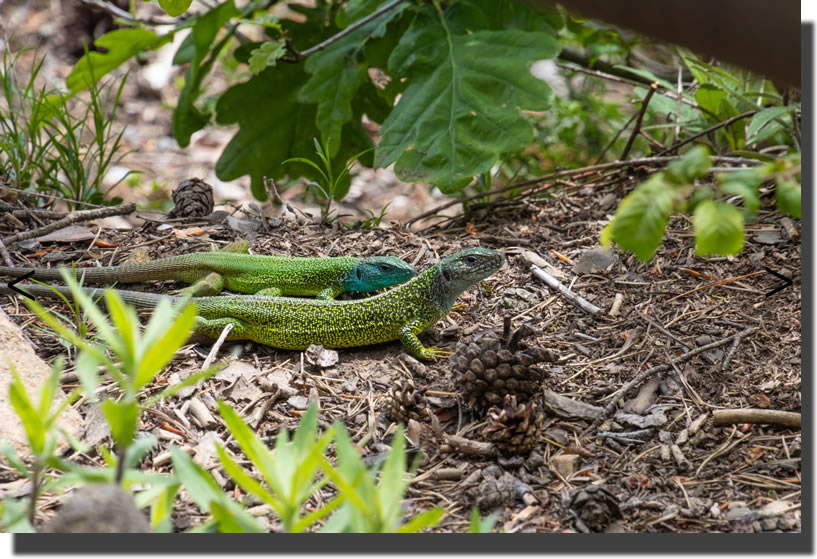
x=436 y=353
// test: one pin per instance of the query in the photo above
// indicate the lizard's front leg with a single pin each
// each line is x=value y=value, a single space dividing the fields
x=408 y=336
x=209 y=285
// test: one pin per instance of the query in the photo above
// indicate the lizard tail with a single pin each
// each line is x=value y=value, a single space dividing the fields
x=138 y=298
x=185 y=267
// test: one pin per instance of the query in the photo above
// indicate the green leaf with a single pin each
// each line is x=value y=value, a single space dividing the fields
x=461 y=109
x=763 y=118
x=127 y=325
x=426 y=519
x=266 y=55
x=175 y=8
x=256 y=451
x=788 y=197
x=718 y=228
x=479 y=525
x=162 y=351
x=246 y=482
x=228 y=523
x=337 y=73
x=49 y=389
x=119 y=45
x=393 y=482
x=162 y=509
x=282 y=130
x=745 y=184
x=693 y=165
x=8 y=452
x=187 y=118
x=710 y=97
x=201 y=487
x=355 y=10
x=123 y=417
x=139 y=449
x=642 y=217
x=192 y=380
x=33 y=423
x=14 y=517
x=86 y=369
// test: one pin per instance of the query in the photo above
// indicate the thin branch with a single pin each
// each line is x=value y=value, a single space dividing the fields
x=300 y=56
x=608 y=409
x=615 y=138
x=84 y=215
x=578 y=300
x=643 y=81
x=644 y=104
x=5 y=254
x=749 y=415
x=583 y=60
x=646 y=161
x=116 y=11
x=694 y=137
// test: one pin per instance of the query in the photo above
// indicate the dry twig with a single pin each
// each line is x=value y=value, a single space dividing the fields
x=752 y=415
x=644 y=374
x=83 y=215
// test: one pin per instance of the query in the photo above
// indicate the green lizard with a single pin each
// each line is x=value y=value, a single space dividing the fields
x=289 y=323
x=210 y=272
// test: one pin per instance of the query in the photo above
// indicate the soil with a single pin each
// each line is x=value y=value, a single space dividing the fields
x=657 y=462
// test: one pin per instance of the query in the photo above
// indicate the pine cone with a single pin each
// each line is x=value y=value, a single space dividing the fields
x=594 y=507
x=494 y=367
x=405 y=402
x=495 y=492
x=514 y=428
x=192 y=198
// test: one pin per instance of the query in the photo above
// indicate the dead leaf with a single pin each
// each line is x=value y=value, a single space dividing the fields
x=760 y=401
x=243 y=390
x=70 y=234
x=755 y=453
x=236 y=369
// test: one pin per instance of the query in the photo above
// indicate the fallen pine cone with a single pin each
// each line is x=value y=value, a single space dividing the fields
x=405 y=402
x=514 y=428
x=494 y=367
x=595 y=507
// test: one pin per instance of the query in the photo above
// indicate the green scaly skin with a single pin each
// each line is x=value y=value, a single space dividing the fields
x=230 y=268
x=288 y=323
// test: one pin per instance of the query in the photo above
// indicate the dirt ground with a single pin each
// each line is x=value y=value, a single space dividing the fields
x=657 y=462
x=719 y=478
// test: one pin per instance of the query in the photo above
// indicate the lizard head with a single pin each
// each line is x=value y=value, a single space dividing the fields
x=377 y=271
x=461 y=270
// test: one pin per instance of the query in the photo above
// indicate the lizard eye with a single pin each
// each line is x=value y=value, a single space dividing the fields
x=384 y=267
x=471 y=259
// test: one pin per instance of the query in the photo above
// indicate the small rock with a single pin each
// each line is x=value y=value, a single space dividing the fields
x=768 y=237
x=298 y=402
x=99 y=509
x=768 y=524
x=350 y=385
x=594 y=261
x=321 y=356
